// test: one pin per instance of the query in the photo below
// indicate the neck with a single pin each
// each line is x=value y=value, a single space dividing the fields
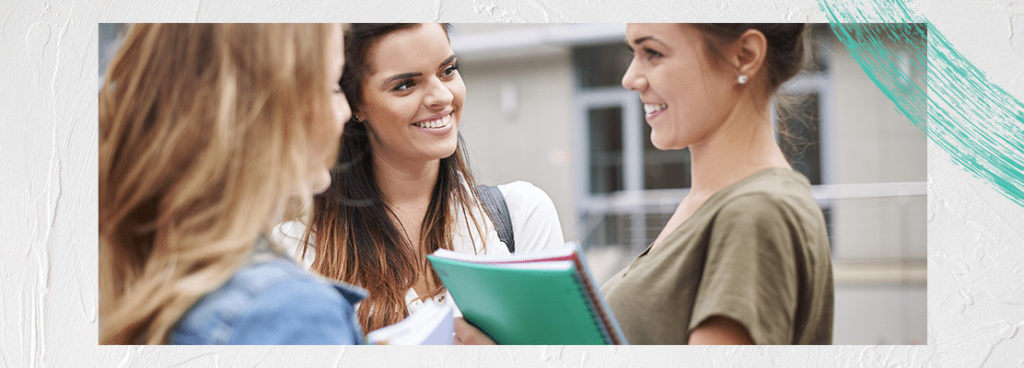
x=737 y=148
x=402 y=181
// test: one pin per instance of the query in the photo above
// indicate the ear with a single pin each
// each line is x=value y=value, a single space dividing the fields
x=357 y=115
x=749 y=52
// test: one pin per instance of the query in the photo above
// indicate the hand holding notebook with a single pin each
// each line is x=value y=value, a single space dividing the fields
x=542 y=298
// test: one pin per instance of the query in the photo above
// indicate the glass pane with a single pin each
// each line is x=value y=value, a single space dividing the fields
x=600 y=65
x=664 y=169
x=608 y=229
x=605 y=146
x=798 y=121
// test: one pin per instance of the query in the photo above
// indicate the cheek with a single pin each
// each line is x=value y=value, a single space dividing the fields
x=717 y=100
x=458 y=89
x=388 y=114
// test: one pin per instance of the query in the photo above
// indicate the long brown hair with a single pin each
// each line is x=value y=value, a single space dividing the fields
x=205 y=136
x=354 y=231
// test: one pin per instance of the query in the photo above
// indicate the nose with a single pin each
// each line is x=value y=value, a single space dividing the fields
x=633 y=80
x=438 y=95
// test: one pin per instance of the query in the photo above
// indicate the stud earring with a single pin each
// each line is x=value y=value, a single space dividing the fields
x=356 y=117
x=742 y=79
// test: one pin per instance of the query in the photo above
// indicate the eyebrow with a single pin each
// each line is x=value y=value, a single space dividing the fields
x=401 y=76
x=446 y=61
x=413 y=75
x=640 y=40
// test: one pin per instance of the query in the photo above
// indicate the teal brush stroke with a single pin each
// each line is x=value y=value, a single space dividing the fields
x=978 y=123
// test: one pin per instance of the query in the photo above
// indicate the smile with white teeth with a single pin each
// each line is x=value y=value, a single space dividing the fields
x=652 y=108
x=436 y=123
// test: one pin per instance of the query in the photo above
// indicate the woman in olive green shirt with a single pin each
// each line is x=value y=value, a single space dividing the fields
x=745 y=257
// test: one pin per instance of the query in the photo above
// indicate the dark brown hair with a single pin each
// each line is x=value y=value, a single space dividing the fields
x=356 y=235
x=785 y=52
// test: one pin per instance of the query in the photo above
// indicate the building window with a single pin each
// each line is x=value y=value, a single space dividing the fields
x=605 y=149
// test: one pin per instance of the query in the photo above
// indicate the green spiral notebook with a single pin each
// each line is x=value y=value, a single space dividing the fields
x=535 y=299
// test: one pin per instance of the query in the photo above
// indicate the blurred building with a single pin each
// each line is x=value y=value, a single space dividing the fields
x=544 y=104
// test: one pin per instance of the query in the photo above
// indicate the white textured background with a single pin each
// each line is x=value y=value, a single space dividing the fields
x=48 y=238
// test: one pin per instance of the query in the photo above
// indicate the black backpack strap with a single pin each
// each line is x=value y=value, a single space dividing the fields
x=497 y=210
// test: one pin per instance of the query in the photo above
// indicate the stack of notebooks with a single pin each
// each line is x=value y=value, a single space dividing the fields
x=546 y=298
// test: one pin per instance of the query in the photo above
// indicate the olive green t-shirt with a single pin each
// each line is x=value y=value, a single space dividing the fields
x=756 y=252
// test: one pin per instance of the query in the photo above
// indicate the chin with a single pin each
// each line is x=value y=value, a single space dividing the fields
x=443 y=153
x=320 y=183
x=669 y=142
x=661 y=143
x=448 y=147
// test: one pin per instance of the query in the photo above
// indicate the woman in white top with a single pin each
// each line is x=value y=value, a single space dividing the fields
x=402 y=188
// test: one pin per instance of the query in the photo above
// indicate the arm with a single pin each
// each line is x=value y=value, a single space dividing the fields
x=719 y=330
x=748 y=288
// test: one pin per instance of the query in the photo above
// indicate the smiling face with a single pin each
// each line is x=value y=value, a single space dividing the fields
x=413 y=95
x=686 y=93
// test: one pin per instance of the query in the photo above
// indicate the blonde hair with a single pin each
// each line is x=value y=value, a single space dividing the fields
x=205 y=136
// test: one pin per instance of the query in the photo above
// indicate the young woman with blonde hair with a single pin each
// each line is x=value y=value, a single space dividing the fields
x=209 y=134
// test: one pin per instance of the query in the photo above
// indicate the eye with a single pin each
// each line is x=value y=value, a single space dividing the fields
x=404 y=85
x=651 y=54
x=451 y=70
x=337 y=87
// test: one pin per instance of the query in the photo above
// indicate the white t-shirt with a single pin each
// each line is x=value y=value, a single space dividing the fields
x=535 y=228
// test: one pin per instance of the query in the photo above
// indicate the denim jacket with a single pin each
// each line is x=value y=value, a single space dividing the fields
x=271 y=301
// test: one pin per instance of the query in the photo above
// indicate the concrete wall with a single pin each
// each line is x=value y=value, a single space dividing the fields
x=872 y=142
x=530 y=139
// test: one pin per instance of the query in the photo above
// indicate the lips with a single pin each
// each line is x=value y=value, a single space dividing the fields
x=439 y=122
x=653 y=110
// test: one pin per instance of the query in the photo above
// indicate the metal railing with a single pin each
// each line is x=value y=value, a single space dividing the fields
x=635 y=218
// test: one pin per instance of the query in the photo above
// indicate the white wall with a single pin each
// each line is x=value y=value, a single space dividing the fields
x=531 y=140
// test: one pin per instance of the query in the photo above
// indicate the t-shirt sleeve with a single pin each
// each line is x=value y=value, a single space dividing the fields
x=535 y=222
x=289 y=236
x=298 y=312
x=750 y=274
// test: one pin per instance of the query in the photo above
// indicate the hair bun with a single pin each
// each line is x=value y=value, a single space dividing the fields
x=785 y=55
